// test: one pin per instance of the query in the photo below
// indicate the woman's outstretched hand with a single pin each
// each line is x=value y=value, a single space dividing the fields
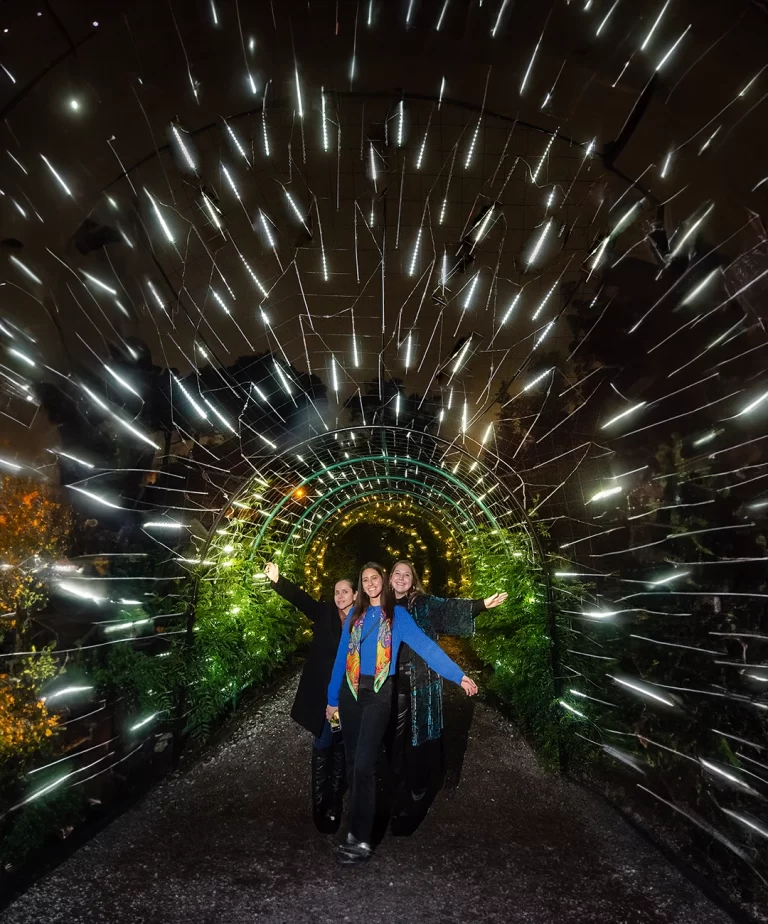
x=273 y=572
x=492 y=601
x=468 y=685
x=330 y=712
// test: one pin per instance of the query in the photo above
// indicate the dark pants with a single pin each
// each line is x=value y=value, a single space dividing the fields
x=399 y=732
x=413 y=767
x=326 y=738
x=364 y=721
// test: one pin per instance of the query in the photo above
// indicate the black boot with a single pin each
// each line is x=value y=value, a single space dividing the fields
x=353 y=851
x=338 y=782
x=321 y=773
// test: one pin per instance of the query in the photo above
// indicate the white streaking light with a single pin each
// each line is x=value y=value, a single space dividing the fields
x=607 y=492
x=197 y=408
x=654 y=26
x=415 y=257
x=324 y=118
x=472 y=287
x=121 y=381
x=676 y=575
x=700 y=287
x=299 y=103
x=471 y=150
x=498 y=18
x=674 y=46
x=26 y=270
x=606 y=18
x=22 y=356
x=442 y=14
x=539 y=242
x=536 y=381
x=99 y=283
x=158 y=214
x=752 y=405
x=63 y=185
x=691 y=230
x=512 y=306
x=186 y=153
x=629 y=410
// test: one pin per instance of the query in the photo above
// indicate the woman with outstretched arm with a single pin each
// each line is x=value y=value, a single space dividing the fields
x=361 y=689
x=328 y=761
x=418 y=702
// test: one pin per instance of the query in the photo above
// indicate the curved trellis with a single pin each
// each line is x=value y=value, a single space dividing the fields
x=476 y=282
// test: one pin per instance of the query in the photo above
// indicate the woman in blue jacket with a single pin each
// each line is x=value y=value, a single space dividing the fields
x=361 y=690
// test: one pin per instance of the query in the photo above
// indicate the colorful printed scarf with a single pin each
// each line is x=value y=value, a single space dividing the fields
x=383 y=655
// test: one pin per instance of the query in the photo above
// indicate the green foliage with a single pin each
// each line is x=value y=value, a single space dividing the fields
x=514 y=637
x=243 y=633
x=139 y=680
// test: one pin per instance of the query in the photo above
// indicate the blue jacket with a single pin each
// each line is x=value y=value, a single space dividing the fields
x=404 y=630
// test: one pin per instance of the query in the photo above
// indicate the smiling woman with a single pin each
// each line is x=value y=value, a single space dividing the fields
x=419 y=690
x=365 y=663
x=328 y=764
x=335 y=300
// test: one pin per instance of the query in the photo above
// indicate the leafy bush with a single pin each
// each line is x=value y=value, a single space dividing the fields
x=142 y=682
x=25 y=723
x=514 y=638
x=243 y=633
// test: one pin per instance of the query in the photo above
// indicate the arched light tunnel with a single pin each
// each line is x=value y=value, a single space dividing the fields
x=471 y=286
x=302 y=506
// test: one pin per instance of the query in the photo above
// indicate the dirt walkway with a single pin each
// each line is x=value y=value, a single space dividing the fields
x=231 y=841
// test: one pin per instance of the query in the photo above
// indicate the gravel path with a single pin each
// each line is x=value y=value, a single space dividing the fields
x=231 y=840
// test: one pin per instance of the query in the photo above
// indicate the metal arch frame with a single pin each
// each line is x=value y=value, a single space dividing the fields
x=525 y=519
x=295 y=448
x=352 y=500
x=310 y=539
x=509 y=470
x=285 y=102
x=346 y=462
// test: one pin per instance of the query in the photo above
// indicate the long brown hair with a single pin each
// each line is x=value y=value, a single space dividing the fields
x=417 y=587
x=363 y=602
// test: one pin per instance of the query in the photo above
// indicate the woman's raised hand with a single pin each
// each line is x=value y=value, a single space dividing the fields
x=272 y=571
x=495 y=600
x=468 y=685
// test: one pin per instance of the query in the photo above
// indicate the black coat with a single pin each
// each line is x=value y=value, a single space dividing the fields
x=312 y=696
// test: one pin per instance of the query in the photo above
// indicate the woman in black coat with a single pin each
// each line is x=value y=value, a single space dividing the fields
x=328 y=763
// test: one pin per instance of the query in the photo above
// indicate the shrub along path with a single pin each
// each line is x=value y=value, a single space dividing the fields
x=231 y=839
